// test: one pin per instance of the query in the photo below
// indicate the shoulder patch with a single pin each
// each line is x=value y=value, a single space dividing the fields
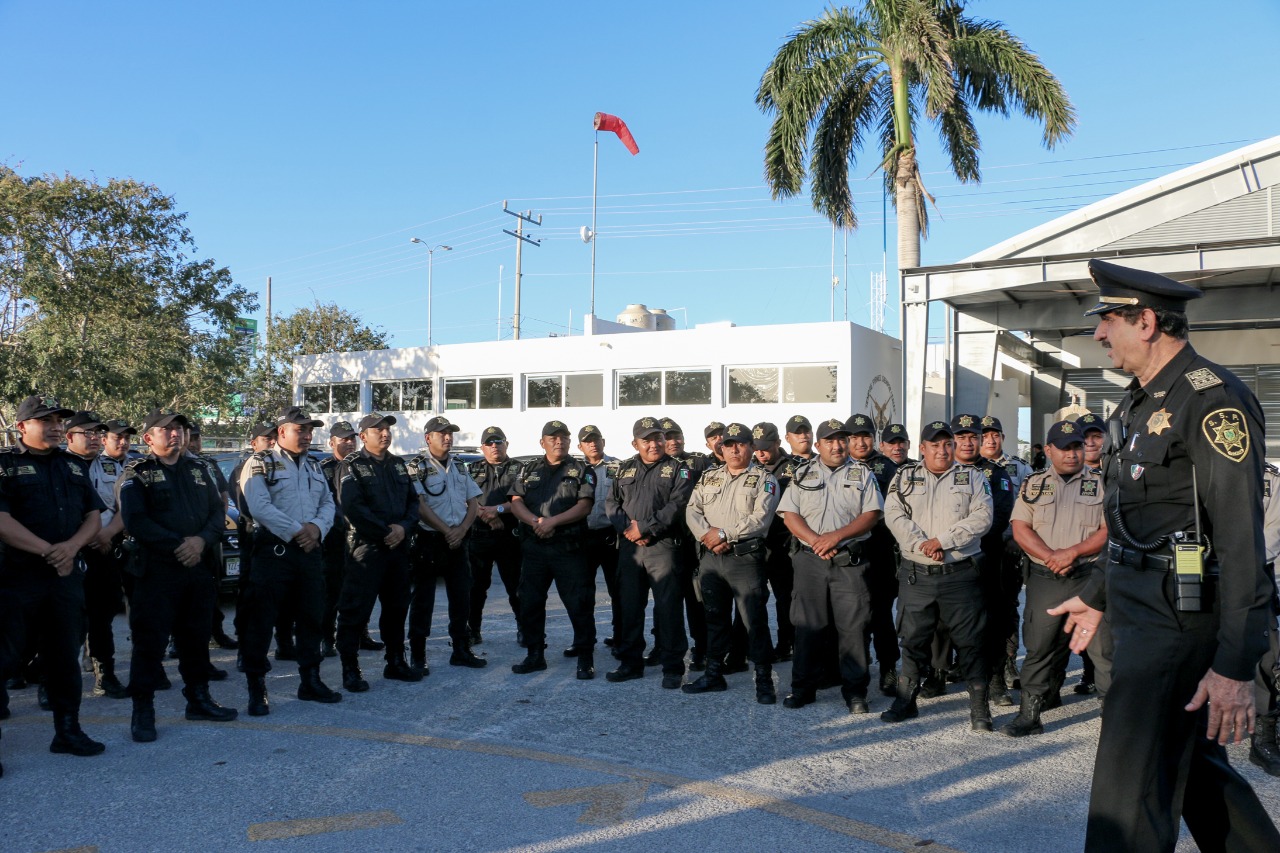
x=1227 y=432
x=1203 y=379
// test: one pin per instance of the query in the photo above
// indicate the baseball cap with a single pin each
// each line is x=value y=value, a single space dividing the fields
x=763 y=435
x=739 y=433
x=830 y=427
x=933 y=429
x=860 y=425
x=991 y=423
x=645 y=427
x=158 y=418
x=377 y=419
x=1063 y=434
x=964 y=423
x=1090 y=421
x=91 y=420
x=589 y=431
x=796 y=423
x=263 y=430
x=894 y=432
x=437 y=424
x=492 y=433
x=119 y=426
x=555 y=428
x=668 y=425
x=712 y=428
x=297 y=415
x=39 y=407
x=342 y=429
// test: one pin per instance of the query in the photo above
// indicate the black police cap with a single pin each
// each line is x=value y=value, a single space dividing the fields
x=264 y=431
x=40 y=406
x=159 y=418
x=831 y=427
x=797 y=423
x=990 y=423
x=119 y=426
x=589 y=432
x=669 y=426
x=739 y=433
x=377 y=419
x=1063 y=434
x=555 y=428
x=860 y=425
x=492 y=433
x=894 y=432
x=713 y=428
x=1121 y=287
x=342 y=429
x=87 y=420
x=437 y=424
x=965 y=423
x=933 y=429
x=763 y=435
x=645 y=427
x=1090 y=421
x=297 y=415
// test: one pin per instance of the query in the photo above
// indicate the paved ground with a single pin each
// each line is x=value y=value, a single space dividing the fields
x=491 y=761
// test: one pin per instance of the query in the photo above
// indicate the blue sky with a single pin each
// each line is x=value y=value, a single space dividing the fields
x=310 y=141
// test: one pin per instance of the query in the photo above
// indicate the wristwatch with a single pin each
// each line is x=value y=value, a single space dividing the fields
x=723 y=537
x=501 y=509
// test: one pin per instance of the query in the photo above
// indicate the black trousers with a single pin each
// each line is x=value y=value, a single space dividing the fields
x=1002 y=619
x=640 y=569
x=171 y=598
x=1011 y=583
x=246 y=572
x=600 y=548
x=433 y=559
x=781 y=577
x=335 y=560
x=103 y=598
x=1154 y=764
x=955 y=599
x=829 y=595
x=691 y=593
x=1048 y=648
x=374 y=572
x=882 y=585
x=566 y=564
x=43 y=613
x=1266 y=684
x=485 y=549
x=283 y=572
x=732 y=584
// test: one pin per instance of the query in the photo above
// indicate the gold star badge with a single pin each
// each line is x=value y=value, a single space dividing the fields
x=758 y=432
x=1159 y=422
x=966 y=421
x=734 y=430
x=1068 y=428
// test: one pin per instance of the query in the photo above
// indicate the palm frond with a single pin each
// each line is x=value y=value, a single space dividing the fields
x=960 y=139
x=837 y=137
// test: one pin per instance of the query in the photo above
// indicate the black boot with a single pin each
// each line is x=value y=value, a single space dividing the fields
x=142 y=726
x=463 y=656
x=397 y=669
x=312 y=689
x=258 y=705
x=328 y=649
x=105 y=682
x=215 y=674
x=733 y=665
x=765 y=692
x=4 y=703
x=979 y=706
x=1011 y=672
x=586 y=664
x=625 y=672
x=711 y=680
x=888 y=682
x=999 y=691
x=369 y=644
x=904 y=703
x=162 y=680
x=1263 y=751
x=352 y=681
x=201 y=706
x=653 y=658
x=855 y=702
x=534 y=661
x=933 y=685
x=222 y=641
x=42 y=698
x=418 y=654
x=697 y=660
x=285 y=648
x=1028 y=720
x=68 y=739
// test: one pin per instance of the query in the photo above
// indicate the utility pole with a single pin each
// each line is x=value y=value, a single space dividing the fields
x=267 y=342
x=521 y=219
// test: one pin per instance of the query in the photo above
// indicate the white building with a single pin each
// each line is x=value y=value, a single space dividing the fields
x=612 y=375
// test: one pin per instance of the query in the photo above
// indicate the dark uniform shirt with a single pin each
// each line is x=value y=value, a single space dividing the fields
x=330 y=468
x=1195 y=415
x=47 y=493
x=783 y=470
x=549 y=490
x=1003 y=495
x=654 y=496
x=376 y=493
x=495 y=482
x=164 y=504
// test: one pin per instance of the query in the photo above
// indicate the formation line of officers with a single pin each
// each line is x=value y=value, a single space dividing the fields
x=1163 y=516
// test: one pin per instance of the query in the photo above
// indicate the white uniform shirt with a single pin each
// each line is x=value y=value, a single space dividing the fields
x=446 y=485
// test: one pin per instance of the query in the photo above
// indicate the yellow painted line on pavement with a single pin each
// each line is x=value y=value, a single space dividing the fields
x=606 y=804
x=277 y=829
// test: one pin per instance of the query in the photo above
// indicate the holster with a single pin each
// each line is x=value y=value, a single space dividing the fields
x=134 y=557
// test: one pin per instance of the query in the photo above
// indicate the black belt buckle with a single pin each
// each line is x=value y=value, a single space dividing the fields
x=743 y=547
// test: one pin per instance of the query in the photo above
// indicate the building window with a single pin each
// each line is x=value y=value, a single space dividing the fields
x=402 y=395
x=665 y=388
x=332 y=399
x=809 y=384
x=753 y=385
x=484 y=393
x=574 y=390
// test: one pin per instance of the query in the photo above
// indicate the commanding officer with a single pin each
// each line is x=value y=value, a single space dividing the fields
x=938 y=511
x=379 y=501
x=552 y=498
x=102 y=584
x=689 y=590
x=895 y=444
x=1093 y=428
x=492 y=537
x=647 y=506
x=1263 y=751
x=48 y=513
x=777 y=541
x=600 y=544
x=448 y=504
x=882 y=571
x=729 y=513
x=173 y=510
x=830 y=509
x=800 y=438
x=1011 y=559
x=293 y=508
x=342 y=442
x=1057 y=522
x=1183 y=473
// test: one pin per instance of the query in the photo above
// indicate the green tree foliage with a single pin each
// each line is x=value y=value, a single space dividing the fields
x=858 y=77
x=104 y=305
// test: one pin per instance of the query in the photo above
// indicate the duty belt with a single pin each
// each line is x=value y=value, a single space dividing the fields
x=846 y=556
x=1075 y=572
x=1145 y=561
x=938 y=569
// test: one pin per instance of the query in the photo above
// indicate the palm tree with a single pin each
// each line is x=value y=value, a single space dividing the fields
x=871 y=72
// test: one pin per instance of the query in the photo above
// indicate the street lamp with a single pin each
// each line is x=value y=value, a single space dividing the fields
x=431 y=251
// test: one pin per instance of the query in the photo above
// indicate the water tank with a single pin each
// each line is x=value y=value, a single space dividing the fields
x=663 y=321
x=638 y=316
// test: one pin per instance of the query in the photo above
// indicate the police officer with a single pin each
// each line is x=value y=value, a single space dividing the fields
x=647 y=506
x=1263 y=750
x=552 y=498
x=379 y=502
x=600 y=544
x=262 y=438
x=103 y=592
x=896 y=444
x=448 y=504
x=830 y=508
x=992 y=448
x=1185 y=586
x=800 y=438
x=1057 y=521
x=49 y=512
x=689 y=589
x=882 y=569
x=1093 y=428
x=938 y=511
x=293 y=509
x=173 y=510
x=729 y=512
x=195 y=448
x=777 y=561
x=492 y=538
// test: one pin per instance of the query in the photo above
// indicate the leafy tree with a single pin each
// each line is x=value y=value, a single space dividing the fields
x=103 y=305
x=863 y=76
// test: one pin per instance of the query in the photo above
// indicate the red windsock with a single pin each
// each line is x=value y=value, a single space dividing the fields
x=604 y=121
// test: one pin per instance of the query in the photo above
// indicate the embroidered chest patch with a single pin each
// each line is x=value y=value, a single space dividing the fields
x=961 y=478
x=1089 y=488
x=752 y=481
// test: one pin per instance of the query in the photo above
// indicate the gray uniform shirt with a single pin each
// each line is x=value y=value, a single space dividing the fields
x=1015 y=468
x=446 y=485
x=1064 y=512
x=829 y=499
x=954 y=507
x=1271 y=511
x=105 y=474
x=742 y=505
x=283 y=494
x=598 y=518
